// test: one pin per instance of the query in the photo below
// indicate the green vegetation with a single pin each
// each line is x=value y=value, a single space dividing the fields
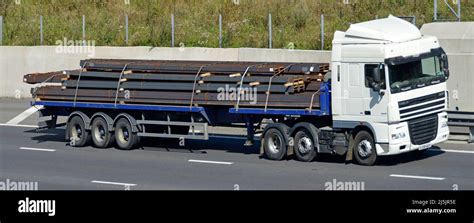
x=245 y=22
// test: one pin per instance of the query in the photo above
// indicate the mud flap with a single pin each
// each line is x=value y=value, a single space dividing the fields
x=350 y=150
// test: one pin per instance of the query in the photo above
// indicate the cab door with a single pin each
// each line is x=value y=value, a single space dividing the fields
x=353 y=89
x=375 y=102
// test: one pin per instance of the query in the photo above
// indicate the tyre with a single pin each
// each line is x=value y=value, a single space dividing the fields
x=78 y=135
x=364 y=149
x=274 y=144
x=101 y=135
x=304 y=146
x=125 y=139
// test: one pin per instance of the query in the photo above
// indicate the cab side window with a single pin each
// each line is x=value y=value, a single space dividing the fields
x=369 y=70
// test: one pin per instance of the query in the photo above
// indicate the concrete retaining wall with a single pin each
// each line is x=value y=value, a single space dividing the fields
x=457 y=39
x=16 y=61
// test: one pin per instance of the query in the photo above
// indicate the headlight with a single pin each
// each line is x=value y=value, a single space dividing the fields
x=444 y=124
x=399 y=135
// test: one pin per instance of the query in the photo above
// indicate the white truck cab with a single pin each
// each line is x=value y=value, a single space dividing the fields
x=389 y=80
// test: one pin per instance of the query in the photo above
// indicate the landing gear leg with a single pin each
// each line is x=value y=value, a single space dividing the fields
x=250 y=132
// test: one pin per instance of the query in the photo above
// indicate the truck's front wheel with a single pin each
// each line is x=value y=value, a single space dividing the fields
x=124 y=137
x=364 y=149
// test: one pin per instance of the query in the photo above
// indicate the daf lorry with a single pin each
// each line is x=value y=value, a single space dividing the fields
x=385 y=94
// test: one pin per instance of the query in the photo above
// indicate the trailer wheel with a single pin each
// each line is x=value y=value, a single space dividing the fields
x=274 y=144
x=101 y=136
x=78 y=135
x=304 y=146
x=364 y=149
x=124 y=137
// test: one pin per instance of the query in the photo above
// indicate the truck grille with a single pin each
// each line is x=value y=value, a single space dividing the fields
x=429 y=104
x=423 y=130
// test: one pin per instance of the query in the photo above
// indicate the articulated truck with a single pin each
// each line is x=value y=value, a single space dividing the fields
x=384 y=93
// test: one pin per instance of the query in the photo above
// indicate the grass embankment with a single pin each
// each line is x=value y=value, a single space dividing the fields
x=245 y=22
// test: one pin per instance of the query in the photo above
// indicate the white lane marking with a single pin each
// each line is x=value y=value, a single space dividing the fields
x=417 y=177
x=211 y=162
x=112 y=183
x=25 y=114
x=23 y=126
x=454 y=151
x=37 y=149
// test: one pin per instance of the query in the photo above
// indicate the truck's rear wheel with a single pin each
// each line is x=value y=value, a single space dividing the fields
x=78 y=135
x=274 y=144
x=101 y=135
x=125 y=139
x=364 y=149
x=304 y=146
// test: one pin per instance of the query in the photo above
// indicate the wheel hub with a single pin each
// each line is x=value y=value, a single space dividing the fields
x=274 y=144
x=76 y=132
x=305 y=145
x=123 y=135
x=99 y=133
x=365 y=148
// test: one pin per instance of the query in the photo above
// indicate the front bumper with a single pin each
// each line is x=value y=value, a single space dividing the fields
x=404 y=144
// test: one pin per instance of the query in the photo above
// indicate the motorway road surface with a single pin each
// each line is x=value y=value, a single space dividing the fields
x=221 y=163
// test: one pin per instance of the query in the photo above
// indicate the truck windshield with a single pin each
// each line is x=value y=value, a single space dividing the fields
x=416 y=74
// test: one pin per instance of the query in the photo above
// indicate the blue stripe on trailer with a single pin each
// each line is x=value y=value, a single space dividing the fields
x=118 y=106
x=258 y=111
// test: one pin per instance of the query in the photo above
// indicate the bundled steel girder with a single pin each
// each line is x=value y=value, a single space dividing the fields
x=188 y=77
x=186 y=82
x=176 y=86
x=57 y=91
x=269 y=68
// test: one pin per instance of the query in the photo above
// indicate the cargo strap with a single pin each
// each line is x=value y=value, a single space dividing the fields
x=194 y=87
x=279 y=71
x=35 y=89
x=118 y=84
x=239 y=92
x=312 y=99
x=78 y=81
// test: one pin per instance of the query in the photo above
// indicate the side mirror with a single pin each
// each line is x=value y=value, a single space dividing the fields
x=446 y=72
x=444 y=60
x=377 y=78
x=377 y=74
x=445 y=64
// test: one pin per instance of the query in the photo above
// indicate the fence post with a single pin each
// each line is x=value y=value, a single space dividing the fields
x=41 y=30
x=126 y=29
x=322 y=32
x=435 y=10
x=220 y=31
x=172 y=30
x=269 y=30
x=84 y=28
x=1 y=30
x=459 y=10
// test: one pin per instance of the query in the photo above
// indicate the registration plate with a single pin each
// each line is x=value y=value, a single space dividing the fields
x=425 y=146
